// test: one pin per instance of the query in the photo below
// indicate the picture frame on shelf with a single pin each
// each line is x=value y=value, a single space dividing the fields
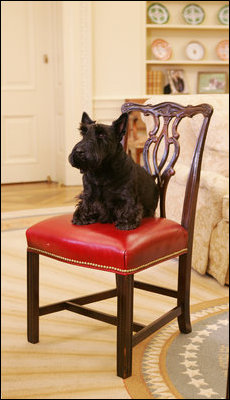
x=176 y=81
x=212 y=82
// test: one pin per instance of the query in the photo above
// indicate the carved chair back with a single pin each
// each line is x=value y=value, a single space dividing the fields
x=166 y=133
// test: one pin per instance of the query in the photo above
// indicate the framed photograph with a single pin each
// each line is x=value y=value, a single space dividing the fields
x=176 y=81
x=212 y=82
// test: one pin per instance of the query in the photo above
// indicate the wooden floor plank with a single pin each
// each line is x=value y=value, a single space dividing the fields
x=37 y=195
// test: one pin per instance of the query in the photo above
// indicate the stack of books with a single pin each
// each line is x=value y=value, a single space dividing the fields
x=154 y=84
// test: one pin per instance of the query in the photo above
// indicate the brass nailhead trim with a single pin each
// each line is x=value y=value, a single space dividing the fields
x=108 y=267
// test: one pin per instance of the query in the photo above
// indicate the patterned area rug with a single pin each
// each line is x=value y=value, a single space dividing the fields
x=170 y=365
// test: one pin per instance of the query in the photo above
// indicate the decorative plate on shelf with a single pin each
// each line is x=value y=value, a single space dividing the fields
x=223 y=15
x=161 y=49
x=193 y=14
x=194 y=51
x=222 y=50
x=158 y=13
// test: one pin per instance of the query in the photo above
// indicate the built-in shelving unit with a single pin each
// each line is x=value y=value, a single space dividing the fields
x=178 y=34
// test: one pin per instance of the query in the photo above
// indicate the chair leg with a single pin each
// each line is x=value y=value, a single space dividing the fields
x=32 y=297
x=183 y=300
x=125 y=287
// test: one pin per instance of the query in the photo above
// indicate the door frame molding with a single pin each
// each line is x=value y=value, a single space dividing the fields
x=77 y=80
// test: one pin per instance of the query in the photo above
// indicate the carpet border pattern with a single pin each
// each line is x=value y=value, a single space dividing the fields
x=156 y=375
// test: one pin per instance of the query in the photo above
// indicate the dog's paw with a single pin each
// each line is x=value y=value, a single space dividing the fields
x=126 y=226
x=79 y=221
x=76 y=222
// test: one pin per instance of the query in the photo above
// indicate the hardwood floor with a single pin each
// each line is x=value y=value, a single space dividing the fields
x=24 y=196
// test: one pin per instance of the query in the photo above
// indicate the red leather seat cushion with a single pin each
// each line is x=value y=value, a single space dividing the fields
x=104 y=247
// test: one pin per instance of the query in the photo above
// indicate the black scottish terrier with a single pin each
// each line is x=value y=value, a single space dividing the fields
x=115 y=188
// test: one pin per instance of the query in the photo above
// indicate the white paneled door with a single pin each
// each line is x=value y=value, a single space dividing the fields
x=27 y=91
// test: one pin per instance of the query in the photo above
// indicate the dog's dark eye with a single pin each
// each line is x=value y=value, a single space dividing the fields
x=100 y=134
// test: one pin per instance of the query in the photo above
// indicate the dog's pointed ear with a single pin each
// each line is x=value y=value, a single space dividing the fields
x=85 y=119
x=121 y=124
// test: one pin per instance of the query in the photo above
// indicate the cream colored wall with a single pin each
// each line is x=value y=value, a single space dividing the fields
x=117 y=48
x=118 y=55
x=102 y=65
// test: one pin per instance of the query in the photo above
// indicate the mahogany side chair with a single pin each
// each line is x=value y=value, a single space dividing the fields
x=125 y=253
